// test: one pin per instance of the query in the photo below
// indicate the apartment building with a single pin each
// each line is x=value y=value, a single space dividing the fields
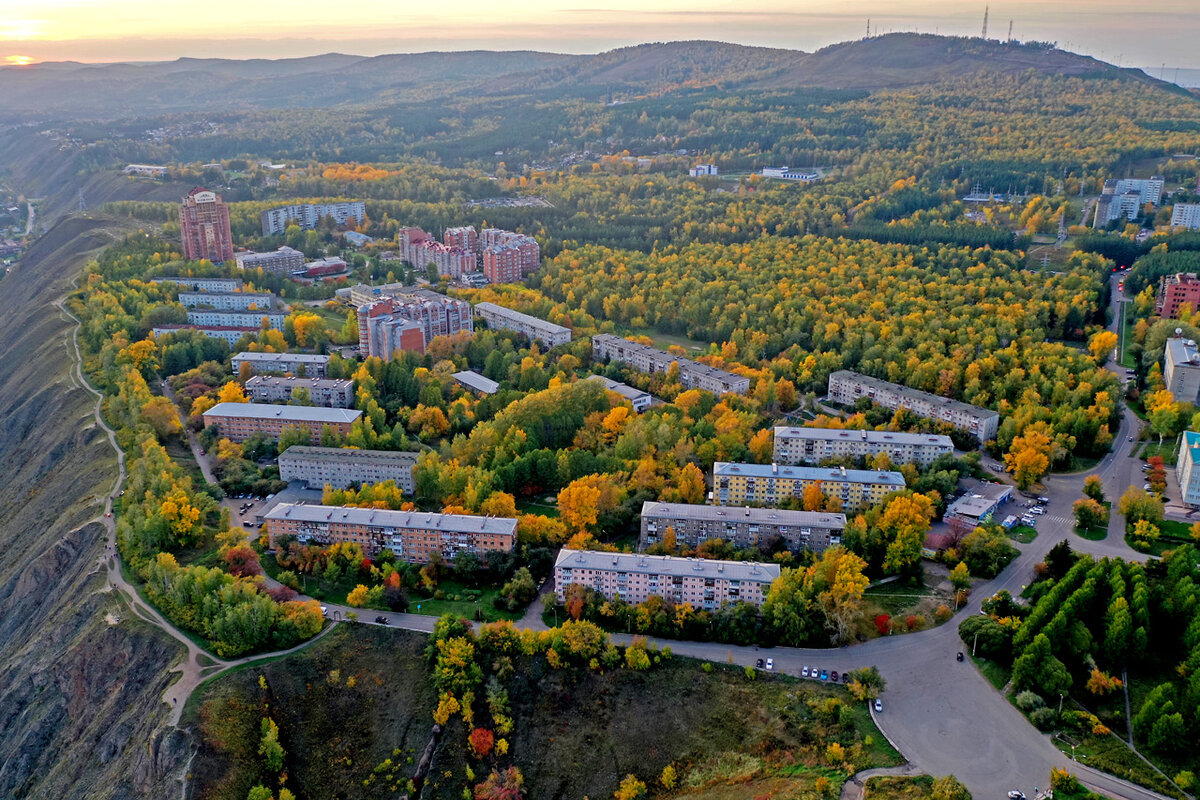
x=230 y=334
x=434 y=314
x=227 y=301
x=698 y=582
x=1185 y=470
x=311 y=366
x=465 y=238
x=1124 y=199
x=387 y=333
x=204 y=227
x=814 y=445
x=643 y=358
x=702 y=170
x=420 y=250
x=204 y=284
x=767 y=484
x=361 y=294
x=742 y=527
x=532 y=328
x=847 y=387
x=307 y=215
x=412 y=535
x=528 y=253
x=283 y=261
x=239 y=421
x=1186 y=216
x=638 y=399
x=1181 y=369
x=318 y=466
x=502 y=264
x=1174 y=291
x=321 y=391
x=251 y=318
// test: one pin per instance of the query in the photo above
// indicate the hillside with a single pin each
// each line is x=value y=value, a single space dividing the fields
x=104 y=91
x=79 y=698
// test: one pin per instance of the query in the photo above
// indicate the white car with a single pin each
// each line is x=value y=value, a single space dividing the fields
x=770 y=663
x=1016 y=794
x=804 y=672
x=878 y=706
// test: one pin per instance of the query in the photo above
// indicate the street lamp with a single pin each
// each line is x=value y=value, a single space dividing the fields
x=973 y=643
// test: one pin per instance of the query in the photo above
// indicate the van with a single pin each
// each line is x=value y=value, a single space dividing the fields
x=1028 y=520
x=1044 y=501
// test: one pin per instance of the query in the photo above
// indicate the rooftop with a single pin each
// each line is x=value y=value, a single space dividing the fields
x=347 y=455
x=626 y=391
x=186 y=327
x=875 y=437
x=979 y=500
x=533 y=322
x=685 y=364
x=307 y=358
x=379 y=517
x=915 y=394
x=1183 y=352
x=473 y=380
x=835 y=474
x=272 y=411
x=667 y=565
x=767 y=516
x=315 y=383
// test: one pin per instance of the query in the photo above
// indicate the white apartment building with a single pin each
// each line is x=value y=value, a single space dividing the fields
x=699 y=582
x=283 y=261
x=204 y=284
x=317 y=466
x=311 y=366
x=227 y=301
x=236 y=319
x=532 y=328
x=1181 y=369
x=638 y=399
x=1186 y=216
x=814 y=445
x=321 y=391
x=643 y=358
x=1185 y=470
x=847 y=387
x=228 y=334
x=306 y=215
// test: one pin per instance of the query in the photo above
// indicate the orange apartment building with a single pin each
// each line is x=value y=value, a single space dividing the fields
x=411 y=535
x=239 y=421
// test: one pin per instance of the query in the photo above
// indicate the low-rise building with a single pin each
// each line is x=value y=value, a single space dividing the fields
x=848 y=387
x=477 y=383
x=227 y=301
x=701 y=583
x=1181 y=369
x=324 y=267
x=145 y=170
x=302 y=364
x=978 y=504
x=769 y=484
x=230 y=334
x=321 y=391
x=239 y=421
x=638 y=399
x=532 y=328
x=743 y=527
x=1186 y=216
x=1185 y=470
x=701 y=170
x=338 y=467
x=283 y=261
x=1175 y=290
x=413 y=536
x=203 y=284
x=643 y=358
x=814 y=445
x=788 y=174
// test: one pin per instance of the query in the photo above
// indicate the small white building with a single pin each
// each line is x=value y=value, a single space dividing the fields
x=639 y=399
x=701 y=170
x=788 y=174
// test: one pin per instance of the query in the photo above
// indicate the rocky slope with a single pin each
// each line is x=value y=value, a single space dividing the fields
x=80 y=707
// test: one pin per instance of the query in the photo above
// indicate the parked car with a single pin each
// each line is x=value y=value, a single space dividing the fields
x=1044 y=501
x=770 y=663
x=324 y=611
x=960 y=655
x=824 y=674
x=878 y=706
x=833 y=676
x=845 y=677
x=804 y=672
x=759 y=663
x=1016 y=794
x=382 y=620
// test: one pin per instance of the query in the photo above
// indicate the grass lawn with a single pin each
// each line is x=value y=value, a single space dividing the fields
x=997 y=675
x=179 y=451
x=1022 y=534
x=1078 y=464
x=455 y=602
x=537 y=507
x=898 y=599
x=665 y=340
x=898 y=787
x=1091 y=534
x=1167 y=450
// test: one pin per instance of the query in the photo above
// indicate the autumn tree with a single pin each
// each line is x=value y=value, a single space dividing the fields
x=960 y=577
x=1028 y=459
x=903 y=524
x=232 y=392
x=631 y=788
x=1089 y=514
x=1101 y=345
x=1093 y=487
x=1137 y=505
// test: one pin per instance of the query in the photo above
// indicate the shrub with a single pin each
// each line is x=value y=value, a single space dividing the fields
x=1028 y=701
x=942 y=613
x=1044 y=718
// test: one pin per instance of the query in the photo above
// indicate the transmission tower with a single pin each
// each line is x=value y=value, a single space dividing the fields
x=868 y=36
x=1009 y=39
x=985 y=16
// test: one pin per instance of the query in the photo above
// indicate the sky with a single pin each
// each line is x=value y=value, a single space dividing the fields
x=1147 y=34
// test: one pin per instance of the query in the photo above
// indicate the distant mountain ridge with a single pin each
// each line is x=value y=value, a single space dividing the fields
x=71 y=90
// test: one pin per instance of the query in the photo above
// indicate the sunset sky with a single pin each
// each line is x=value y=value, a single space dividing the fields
x=1145 y=34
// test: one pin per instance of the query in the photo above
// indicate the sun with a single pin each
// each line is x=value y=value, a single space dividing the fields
x=18 y=61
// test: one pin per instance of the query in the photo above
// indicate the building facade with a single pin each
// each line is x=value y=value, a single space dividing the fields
x=412 y=535
x=643 y=358
x=848 y=387
x=532 y=328
x=237 y=319
x=814 y=445
x=698 y=582
x=637 y=398
x=1174 y=291
x=420 y=250
x=524 y=249
x=434 y=315
x=787 y=174
x=321 y=391
x=306 y=215
x=309 y=366
x=469 y=379
x=465 y=238
x=338 y=467
x=1181 y=369
x=204 y=284
x=768 y=484
x=693 y=525
x=283 y=261
x=204 y=226
x=1125 y=198
x=226 y=301
x=1185 y=470
x=239 y=421
x=700 y=170
x=1186 y=216
x=228 y=334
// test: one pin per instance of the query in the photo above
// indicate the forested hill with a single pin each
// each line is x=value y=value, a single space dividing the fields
x=68 y=90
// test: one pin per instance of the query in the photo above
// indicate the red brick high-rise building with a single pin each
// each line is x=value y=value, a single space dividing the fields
x=204 y=224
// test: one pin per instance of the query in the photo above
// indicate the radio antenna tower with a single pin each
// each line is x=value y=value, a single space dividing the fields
x=1010 y=22
x=985 y=16
x=868 y=36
